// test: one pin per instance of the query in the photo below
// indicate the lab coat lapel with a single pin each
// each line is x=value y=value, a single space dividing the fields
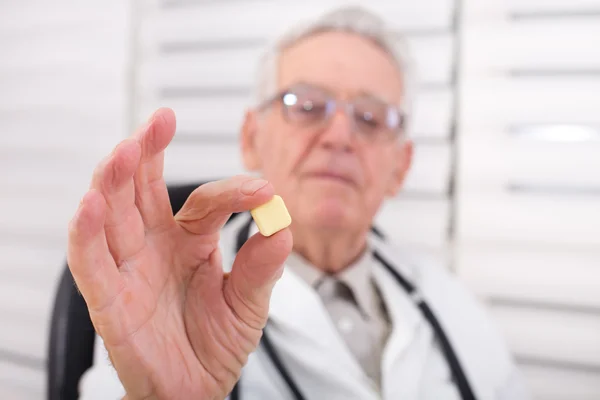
x=404 y=340
x=296 y=307
x=301 y=328
x=297 y=310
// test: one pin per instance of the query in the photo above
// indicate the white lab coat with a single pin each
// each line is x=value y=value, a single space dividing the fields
x=413 y=367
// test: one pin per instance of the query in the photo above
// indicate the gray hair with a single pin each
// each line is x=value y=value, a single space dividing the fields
x=351 y=19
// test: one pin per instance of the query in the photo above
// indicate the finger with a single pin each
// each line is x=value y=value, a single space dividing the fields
x=88 y=256
x=152 y=197
x=209 y=206
x=113 y=178
x=256 y=269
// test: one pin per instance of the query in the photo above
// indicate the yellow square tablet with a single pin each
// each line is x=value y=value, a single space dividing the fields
x=272 y=216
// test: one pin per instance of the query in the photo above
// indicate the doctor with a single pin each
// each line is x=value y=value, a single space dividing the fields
x=345 y=315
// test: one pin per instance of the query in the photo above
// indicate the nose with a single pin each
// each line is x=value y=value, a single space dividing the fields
x=338 y=134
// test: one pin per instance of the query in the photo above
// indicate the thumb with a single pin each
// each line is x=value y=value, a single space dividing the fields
x=257 y=267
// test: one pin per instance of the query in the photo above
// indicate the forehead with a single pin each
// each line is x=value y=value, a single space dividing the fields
x=344 y=63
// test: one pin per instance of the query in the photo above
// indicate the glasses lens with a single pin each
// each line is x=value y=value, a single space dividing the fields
x=306 y=105
x=374 y=118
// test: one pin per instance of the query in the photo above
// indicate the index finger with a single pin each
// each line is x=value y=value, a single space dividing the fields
x=209 y=206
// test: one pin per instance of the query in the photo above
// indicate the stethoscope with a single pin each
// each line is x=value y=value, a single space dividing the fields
x=458 y=374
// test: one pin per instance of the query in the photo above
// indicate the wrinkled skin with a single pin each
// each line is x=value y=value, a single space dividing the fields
x=174 y=325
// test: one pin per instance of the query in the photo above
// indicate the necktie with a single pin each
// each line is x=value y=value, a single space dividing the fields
x=359 y=335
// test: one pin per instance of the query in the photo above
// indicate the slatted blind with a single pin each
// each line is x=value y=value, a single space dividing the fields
x=199 y=58
x=527 y=199
x=519 y=127
x=63 y=104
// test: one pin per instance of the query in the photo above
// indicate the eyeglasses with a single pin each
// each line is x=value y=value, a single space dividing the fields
x=307 y=106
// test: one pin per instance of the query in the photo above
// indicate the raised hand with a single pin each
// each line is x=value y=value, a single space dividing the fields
x=174 y=325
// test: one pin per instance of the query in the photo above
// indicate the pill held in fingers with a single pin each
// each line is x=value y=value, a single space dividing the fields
x=272 y=216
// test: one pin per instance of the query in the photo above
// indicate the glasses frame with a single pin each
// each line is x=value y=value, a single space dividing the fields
x=333 y=104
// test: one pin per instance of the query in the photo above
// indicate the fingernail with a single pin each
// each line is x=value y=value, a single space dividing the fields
x=151 y=118
x=250 y=187
x=141 y=130
x=84 y=198
x=79 y=208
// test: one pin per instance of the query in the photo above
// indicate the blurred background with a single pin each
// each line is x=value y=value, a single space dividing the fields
x=505 y=190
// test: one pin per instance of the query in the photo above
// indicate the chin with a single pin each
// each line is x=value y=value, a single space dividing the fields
x=332 y=214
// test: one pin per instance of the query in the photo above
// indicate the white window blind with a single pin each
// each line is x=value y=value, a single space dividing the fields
x=63 y=106
x=528 y=193
x=199 y=58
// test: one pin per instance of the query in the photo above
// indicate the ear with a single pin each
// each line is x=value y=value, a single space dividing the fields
x=403 y=162
x=248 y=142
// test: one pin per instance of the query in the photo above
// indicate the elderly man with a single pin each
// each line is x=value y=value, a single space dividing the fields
x=180 y=302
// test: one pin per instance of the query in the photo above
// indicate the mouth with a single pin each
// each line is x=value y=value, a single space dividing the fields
x=333 y=177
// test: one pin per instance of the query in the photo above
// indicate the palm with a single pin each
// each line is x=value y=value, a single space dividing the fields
x=173 y=324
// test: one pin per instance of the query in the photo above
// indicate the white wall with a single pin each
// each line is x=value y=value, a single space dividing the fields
x=528 y=205
x=63 y=105
x=513 y=214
